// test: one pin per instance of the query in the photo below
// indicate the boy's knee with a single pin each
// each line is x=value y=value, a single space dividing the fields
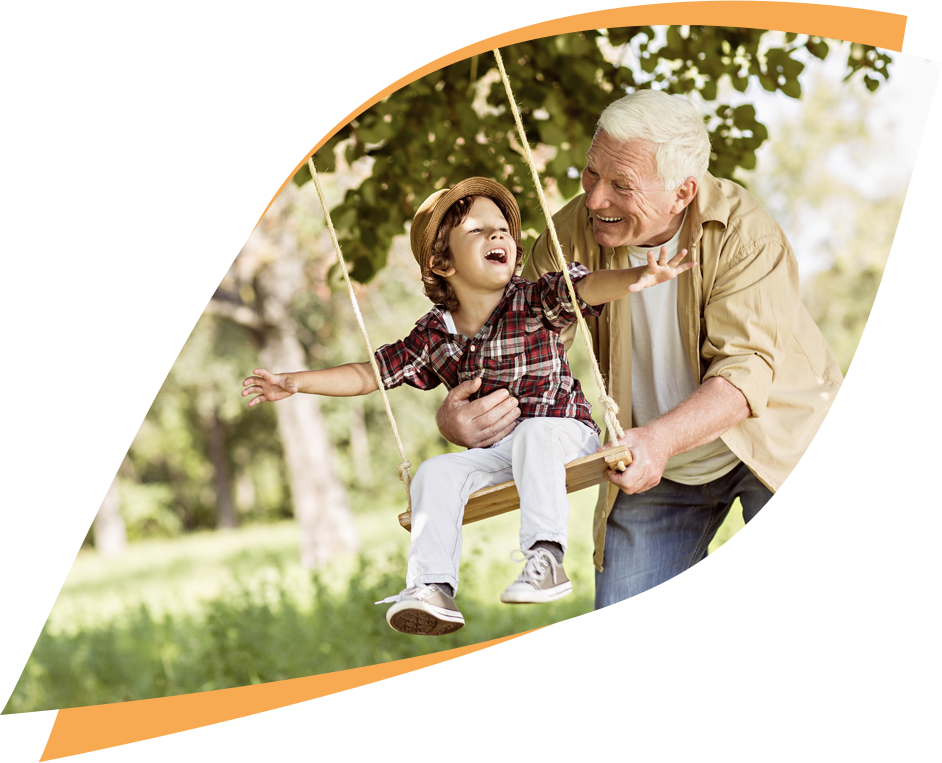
x=439 y=468
x=426 y=468
x=537 y=430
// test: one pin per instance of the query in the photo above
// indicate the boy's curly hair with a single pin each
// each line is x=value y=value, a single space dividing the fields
x=437 y=289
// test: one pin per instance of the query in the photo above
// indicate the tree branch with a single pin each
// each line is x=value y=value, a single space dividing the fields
x=240 y=314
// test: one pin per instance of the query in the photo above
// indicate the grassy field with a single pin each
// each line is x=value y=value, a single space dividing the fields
x=219 y=609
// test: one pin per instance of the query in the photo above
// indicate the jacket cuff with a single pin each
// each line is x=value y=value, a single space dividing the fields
x=750 y=374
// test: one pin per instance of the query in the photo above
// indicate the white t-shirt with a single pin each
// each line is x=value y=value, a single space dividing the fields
x=661 y=377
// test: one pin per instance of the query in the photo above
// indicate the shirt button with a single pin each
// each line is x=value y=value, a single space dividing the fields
x=473 y=348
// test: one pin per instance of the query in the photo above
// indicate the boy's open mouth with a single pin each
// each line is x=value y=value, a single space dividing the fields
x=496 y=255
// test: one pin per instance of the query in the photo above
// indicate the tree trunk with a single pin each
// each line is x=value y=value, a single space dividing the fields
x=321 y=505
x=225 y=508
x=111 y=536
x=359 y=444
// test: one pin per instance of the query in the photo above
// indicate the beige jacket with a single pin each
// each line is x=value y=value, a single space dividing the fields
x=741 y=317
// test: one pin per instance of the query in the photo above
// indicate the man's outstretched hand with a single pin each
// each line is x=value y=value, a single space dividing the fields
x=476 y=423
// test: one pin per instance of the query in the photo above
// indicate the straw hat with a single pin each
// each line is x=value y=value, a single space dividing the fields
x=429 y=217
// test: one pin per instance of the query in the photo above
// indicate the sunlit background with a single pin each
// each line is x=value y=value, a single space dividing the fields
x=148 y=540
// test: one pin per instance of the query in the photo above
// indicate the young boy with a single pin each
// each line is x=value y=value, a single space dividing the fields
x=488 y=323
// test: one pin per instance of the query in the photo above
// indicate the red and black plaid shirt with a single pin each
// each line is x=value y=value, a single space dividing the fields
x=518 y=349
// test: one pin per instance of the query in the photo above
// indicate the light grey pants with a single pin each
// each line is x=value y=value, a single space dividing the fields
x=534 y=455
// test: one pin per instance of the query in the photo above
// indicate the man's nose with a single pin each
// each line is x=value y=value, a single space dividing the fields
x=595 y=198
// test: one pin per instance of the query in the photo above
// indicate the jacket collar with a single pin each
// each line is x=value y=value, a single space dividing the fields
x=711 y=203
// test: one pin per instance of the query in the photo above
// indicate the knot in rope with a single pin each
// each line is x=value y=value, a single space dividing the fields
x=611 y=416
x=405 y=475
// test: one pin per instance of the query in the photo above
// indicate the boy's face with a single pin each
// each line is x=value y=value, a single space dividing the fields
x=483 y=253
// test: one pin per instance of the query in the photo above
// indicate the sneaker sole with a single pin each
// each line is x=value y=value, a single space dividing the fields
x=423 y=619
x=536 y=596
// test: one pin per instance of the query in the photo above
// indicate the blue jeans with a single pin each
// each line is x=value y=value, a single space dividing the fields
x=651 y=598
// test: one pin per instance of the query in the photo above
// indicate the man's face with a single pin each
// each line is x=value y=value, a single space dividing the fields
x=625 y=194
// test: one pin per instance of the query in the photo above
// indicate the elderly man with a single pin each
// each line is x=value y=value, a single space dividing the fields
x=722 y=374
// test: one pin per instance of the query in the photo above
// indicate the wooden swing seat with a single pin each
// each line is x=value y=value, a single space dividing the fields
x=498 y=499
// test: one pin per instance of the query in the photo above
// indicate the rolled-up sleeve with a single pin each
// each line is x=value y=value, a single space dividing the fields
x=750 y=316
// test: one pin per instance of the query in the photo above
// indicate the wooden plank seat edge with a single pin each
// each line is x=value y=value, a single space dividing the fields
x=498 y=499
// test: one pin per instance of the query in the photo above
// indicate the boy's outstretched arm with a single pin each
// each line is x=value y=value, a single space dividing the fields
x=341 y=381
x=603 y=286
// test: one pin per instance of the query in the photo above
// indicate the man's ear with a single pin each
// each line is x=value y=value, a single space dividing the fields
x=685 y=194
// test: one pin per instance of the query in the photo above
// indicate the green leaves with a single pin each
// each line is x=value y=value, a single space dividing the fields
x=16 y=121
x=449 y=125
x=735 y=138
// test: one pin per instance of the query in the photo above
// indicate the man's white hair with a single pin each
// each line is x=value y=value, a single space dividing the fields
x=683 y=144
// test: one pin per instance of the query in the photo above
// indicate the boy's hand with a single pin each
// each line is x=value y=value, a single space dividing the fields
x=660 y=269
x=270 y=387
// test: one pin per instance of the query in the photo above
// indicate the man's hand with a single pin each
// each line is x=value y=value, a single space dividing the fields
x=712 y=410
x=479 y=423
x=648 y=458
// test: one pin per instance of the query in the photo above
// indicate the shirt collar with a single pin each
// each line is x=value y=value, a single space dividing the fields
x=434 y=319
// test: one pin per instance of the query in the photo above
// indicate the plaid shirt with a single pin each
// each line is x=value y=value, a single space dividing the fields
x=517 y=349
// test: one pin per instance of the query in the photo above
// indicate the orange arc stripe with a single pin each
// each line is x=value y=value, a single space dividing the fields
x=85 y=729
x=884 y=30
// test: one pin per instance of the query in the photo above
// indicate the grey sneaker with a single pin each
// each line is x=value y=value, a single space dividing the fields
x=423 y=610
x=543 y=579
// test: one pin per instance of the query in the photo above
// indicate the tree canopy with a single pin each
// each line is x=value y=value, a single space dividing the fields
x=454 y=123
x=89 y=72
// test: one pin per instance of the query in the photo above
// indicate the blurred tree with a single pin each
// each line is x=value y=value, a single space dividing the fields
x=90 y=73
x=878 y=305
x=199 y=220
x=454 y=123
x=256 y=285
x=811 y=182
x=111 y=436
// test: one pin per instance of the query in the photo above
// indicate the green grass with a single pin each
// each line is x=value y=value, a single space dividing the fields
x=215 y=610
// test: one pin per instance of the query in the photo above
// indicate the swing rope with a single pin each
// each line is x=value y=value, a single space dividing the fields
x=608 y=403
x=404 y=468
